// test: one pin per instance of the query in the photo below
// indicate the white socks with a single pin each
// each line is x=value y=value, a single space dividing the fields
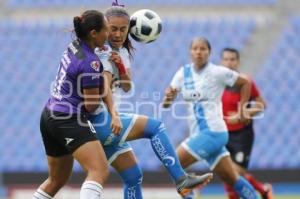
x=91 y=190
x=40 y=194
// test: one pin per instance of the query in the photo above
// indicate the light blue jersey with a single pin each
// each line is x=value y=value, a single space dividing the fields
x=202 y=90
x=113 y=145
x=110 y=67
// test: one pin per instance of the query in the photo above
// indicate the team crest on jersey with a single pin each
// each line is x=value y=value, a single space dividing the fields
x=95 y=65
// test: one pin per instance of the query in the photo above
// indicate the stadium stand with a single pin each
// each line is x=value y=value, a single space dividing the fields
x=32 y=52
x=279 y=83
x=53 y=3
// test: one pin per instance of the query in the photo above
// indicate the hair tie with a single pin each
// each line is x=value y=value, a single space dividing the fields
x=117 y=4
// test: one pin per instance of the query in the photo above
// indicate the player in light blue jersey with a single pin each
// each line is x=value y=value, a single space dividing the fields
x=202 y=84
x=115 y=58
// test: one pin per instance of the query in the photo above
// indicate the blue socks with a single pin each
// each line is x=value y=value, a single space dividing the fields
x=156 y=132
x=244 y=189
x=132 y=178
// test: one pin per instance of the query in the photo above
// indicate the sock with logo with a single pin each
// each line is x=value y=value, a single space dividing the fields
x=161 y=145
x=132 y=180
x=244 y=189
x=255 y=183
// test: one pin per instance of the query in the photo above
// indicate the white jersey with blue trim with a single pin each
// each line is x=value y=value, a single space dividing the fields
x=104 y=55
x=203 y=90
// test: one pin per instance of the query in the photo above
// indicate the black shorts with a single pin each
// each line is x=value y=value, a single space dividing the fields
x=240 y=145
x=62 y=135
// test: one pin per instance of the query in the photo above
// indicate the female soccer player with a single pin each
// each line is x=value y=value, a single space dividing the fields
x=66 y=132
x=202 y=84
x=241 y=135
x=116 y=61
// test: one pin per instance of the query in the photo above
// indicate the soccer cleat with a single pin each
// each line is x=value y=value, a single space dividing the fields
x=187 y=183
x=268 y=191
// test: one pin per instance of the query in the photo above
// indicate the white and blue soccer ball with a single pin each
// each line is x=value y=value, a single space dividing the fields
x=145 y=26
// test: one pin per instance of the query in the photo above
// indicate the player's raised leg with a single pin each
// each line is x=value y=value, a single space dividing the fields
x=155 y=131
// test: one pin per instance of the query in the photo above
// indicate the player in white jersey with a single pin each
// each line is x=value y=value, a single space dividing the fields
x=202 y=84
x=115 y=58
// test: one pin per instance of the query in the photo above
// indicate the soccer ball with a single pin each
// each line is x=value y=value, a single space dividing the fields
x=145 y=26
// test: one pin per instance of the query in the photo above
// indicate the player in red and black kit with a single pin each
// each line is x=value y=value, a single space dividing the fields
x=241 y=135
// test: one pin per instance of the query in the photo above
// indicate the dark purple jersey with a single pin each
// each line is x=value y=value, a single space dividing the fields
x=79 y=68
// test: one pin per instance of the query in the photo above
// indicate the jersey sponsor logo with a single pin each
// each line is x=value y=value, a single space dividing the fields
x=68 y=140
x=76 y=49
x=239 y=157
x=191 y=95
x=96 y=76
x=109 y=140
x=229 y=75
x=91 y=126
x=96 y=65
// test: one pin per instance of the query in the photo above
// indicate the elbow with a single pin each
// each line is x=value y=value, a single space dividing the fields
x=126 y=88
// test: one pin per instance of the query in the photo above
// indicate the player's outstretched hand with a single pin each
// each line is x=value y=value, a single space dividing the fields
x=117 y=60
x=115 y=57
x=171 y=92
x=116 y=125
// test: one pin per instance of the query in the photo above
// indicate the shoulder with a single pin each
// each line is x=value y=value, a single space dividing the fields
x=180 y=71
x=104 y=52
x=214 y=69
x=77 y=50
x=92 y=64
x=124 y=51
x=252 y=82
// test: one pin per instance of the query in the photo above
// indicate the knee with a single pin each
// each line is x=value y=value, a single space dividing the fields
x=154 y=127
x=56 y=183
x=98 y=174
x=132 y=176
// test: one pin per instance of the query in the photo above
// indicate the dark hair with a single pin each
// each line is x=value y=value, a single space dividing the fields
x=120 y=11
x=88 y=21
x=201 y=39
x=232 y=50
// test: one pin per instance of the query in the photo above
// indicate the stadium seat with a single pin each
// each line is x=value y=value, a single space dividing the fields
x=29 y=70
x=53 y=3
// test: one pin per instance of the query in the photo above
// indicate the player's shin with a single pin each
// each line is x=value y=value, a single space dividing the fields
x=156 y=132
x=132 y=179
x=244 y=189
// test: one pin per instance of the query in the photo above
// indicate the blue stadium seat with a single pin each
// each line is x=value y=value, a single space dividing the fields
x=47 y=3
x=28 y=71
x=281 y=90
